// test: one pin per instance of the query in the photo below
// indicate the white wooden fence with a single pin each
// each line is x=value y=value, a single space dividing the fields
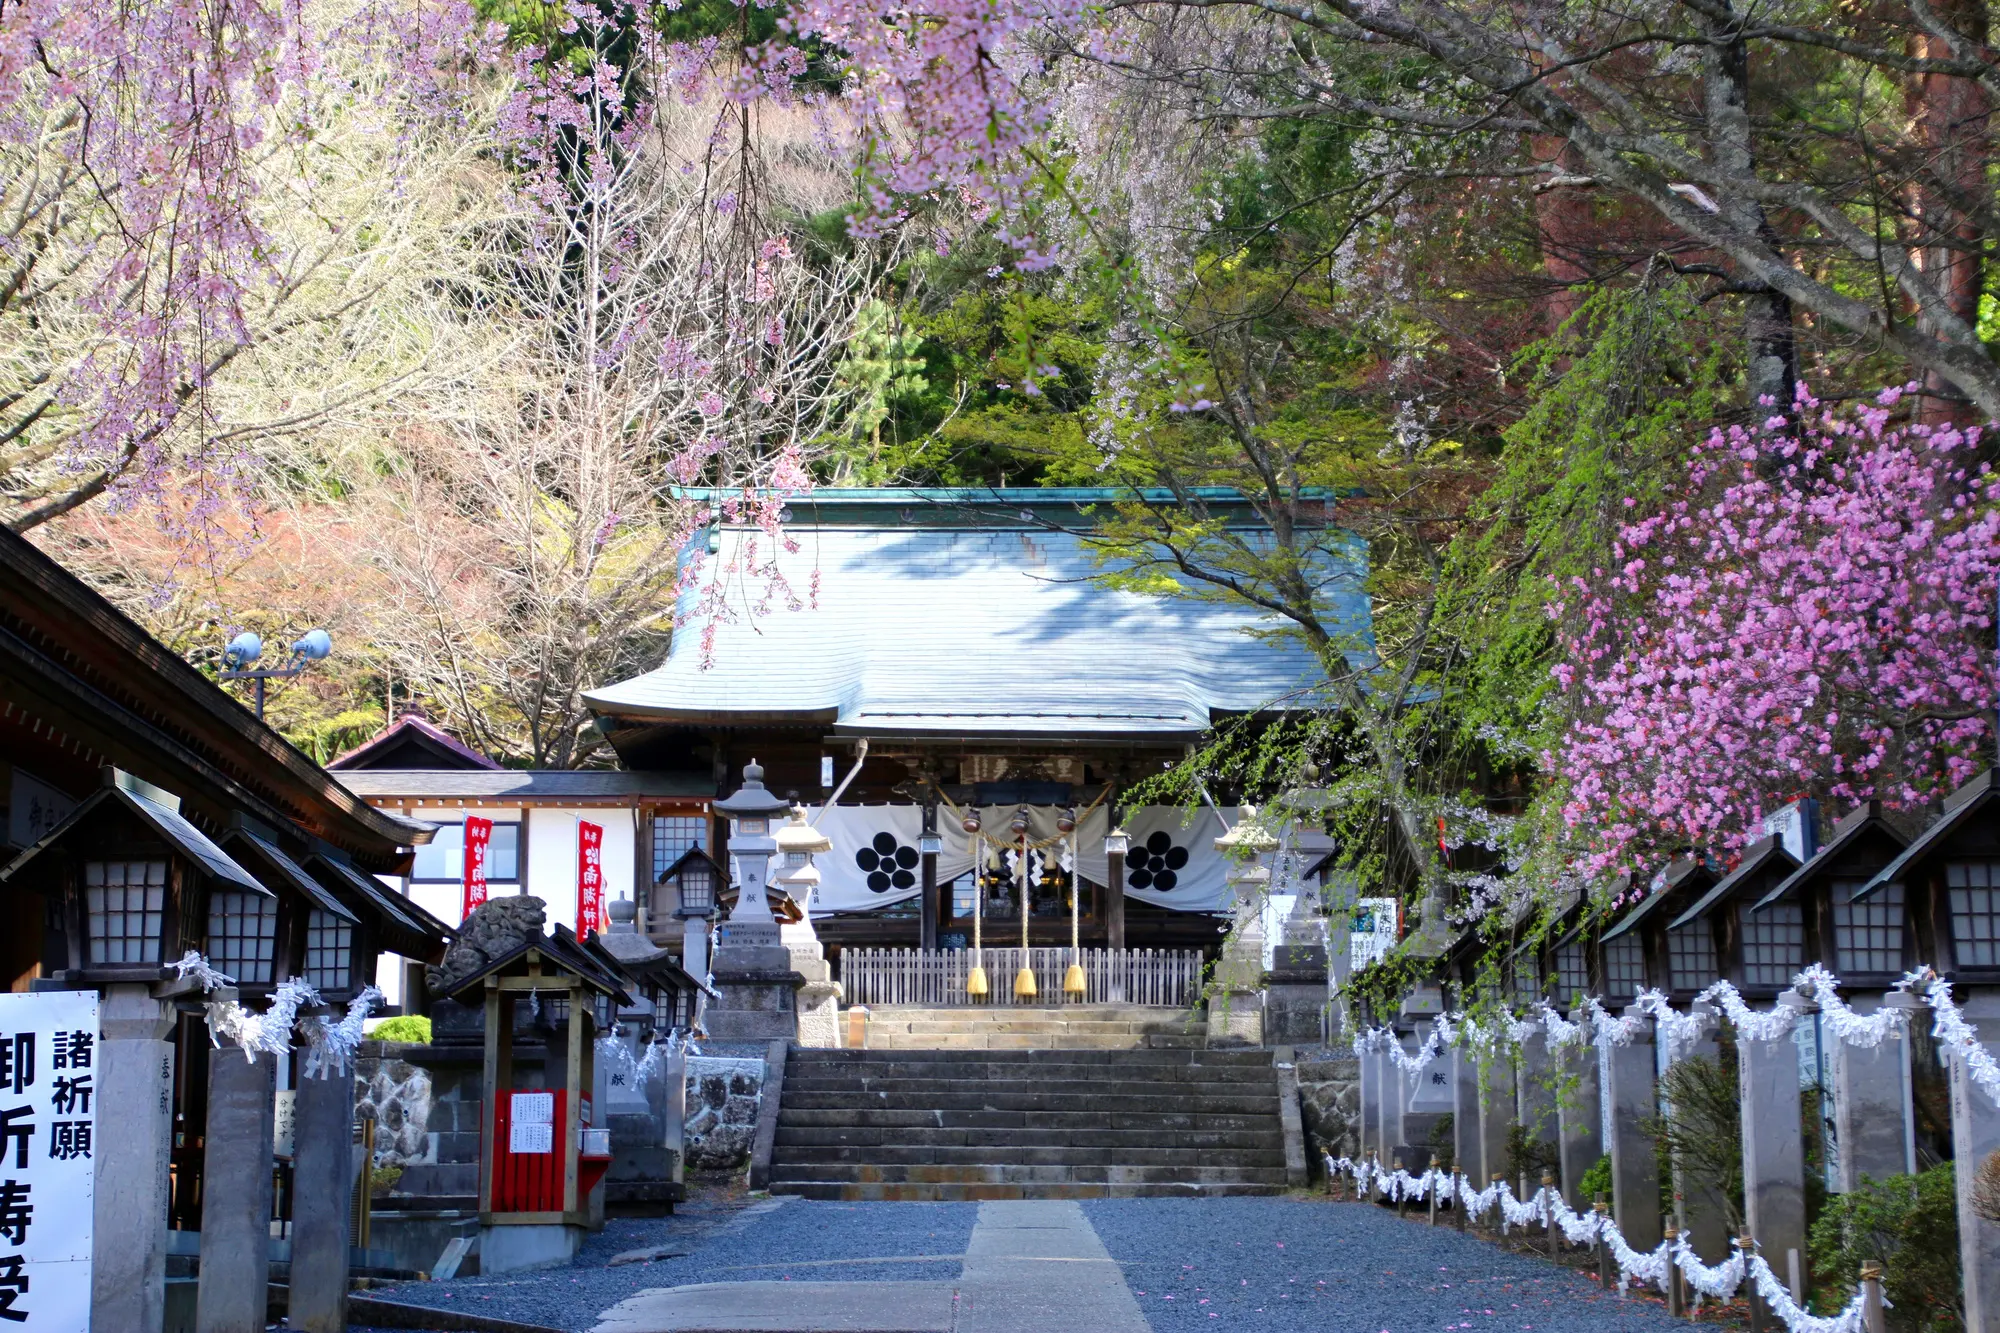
x=1170 y=977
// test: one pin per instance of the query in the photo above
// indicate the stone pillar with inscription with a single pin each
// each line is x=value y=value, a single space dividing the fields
x=236 y=1193
x=134 y=1144
x=322 y=1189
x=1579 y=1116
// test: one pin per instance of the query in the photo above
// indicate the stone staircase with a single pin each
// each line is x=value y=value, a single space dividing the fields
x=995 y=1122
x=1097 y=1027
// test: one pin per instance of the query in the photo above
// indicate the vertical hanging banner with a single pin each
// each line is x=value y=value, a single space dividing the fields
x=589 y=877
x=48 y=1120
x=478 y=837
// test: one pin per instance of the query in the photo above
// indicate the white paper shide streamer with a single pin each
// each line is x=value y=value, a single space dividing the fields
x=1814 y=988
x=330 y=1043
x=1652 y=1268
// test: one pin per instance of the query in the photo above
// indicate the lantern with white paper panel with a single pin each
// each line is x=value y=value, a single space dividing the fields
x=131 y=879
x=694 y=879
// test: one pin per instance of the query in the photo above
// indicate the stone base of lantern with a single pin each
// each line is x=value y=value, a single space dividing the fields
x=759 y=994
x=1295 y=996
x=1236 y=1018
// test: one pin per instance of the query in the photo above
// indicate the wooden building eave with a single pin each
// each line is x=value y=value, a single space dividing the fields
x=91 y=671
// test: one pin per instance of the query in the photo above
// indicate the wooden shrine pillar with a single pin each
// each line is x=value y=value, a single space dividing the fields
x=933 y=910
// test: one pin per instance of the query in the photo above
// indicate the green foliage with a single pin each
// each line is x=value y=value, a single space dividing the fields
x=1530 y=1155
x=1909 y=1225
x=1443 y=1141
x=328 y=736
x=404 y=1027
x=1616 y=393
x=1701 y=1132
x=1596 y=1182
x=963 y=395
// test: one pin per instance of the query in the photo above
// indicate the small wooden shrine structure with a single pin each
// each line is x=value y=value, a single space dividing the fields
x=541 y=1152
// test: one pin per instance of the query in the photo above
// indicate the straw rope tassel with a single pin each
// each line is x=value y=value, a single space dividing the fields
x=1024 y=980
x=975 y=980
x=1073 y=979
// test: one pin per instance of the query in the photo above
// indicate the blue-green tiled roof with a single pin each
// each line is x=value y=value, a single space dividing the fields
x=933 y=620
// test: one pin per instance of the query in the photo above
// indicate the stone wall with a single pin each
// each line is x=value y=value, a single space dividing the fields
x=722 y=1097
x=1330 y=1104
x=399 y=1094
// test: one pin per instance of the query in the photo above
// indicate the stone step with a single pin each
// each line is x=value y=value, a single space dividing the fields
x=1045 y=1012
x=1119 y=1027
x=1170 y=1080
x=918 y=1087
x=1004 y=1099
x=1004 y=1173
x=1003 y=1041
x=953 y=1192
x=1137 y=1056
x=851 y=1158
x=1104 y=1144
x=1148 y=1121
x=1013 y=1103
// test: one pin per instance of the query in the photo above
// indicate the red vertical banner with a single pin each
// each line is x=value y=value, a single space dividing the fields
x=478 y=837
x=589 y=877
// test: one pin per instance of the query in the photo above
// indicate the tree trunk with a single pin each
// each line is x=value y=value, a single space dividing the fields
x=1771 y=354
x=1952 y=118
x=1564 y=221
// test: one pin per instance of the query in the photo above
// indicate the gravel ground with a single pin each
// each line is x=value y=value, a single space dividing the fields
x=726 y=1243
x=1250 y=1265
x=1282 y=1265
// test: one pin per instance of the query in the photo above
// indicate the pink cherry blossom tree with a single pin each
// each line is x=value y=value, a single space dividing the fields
x=1814 y=618
x=177 y=197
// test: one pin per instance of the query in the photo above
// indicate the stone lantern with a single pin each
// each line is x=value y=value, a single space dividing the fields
x=752 y=811
x=819 y=999
x=694 y=878
x=753 y=970
x=1241 y=972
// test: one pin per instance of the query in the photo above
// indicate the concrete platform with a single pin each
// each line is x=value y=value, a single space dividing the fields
x=787 y=1307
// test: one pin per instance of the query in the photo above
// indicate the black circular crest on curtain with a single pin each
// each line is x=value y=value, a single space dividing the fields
x=890 y=864
x=1156 y=864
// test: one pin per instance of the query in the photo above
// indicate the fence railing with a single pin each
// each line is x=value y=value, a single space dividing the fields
x=1170 y=977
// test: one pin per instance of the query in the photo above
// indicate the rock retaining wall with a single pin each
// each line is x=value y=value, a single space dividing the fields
x=722 y=1097
x=1330 y=1103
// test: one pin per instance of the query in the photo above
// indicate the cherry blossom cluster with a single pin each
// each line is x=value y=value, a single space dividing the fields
x=165 y=115
x=1815 y=616
x=945 y=96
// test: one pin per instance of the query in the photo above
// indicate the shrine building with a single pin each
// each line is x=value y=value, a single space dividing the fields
x=929 y=660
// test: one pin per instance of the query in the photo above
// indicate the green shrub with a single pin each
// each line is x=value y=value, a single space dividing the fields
x=1909 y=1225
x=1597 y=1180
x=1443 y=1140
x=405 y=1027
x=1702 y=1132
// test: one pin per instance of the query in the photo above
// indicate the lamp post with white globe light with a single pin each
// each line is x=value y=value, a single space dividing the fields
x=314 y=645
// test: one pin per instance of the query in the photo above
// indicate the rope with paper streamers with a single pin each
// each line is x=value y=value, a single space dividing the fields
x=330 y=1044
x=1650 y=1268
x=1814 y=987
x=613 y=1050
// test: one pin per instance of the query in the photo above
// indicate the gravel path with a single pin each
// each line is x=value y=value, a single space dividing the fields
x=1250 y=1265
x=1286 y=1265
x=779 y=1239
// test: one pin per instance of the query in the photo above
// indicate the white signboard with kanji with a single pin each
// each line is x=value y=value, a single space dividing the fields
x=48 y=1119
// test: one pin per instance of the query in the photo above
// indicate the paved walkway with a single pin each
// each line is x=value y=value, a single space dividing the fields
x=1258 y=1265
